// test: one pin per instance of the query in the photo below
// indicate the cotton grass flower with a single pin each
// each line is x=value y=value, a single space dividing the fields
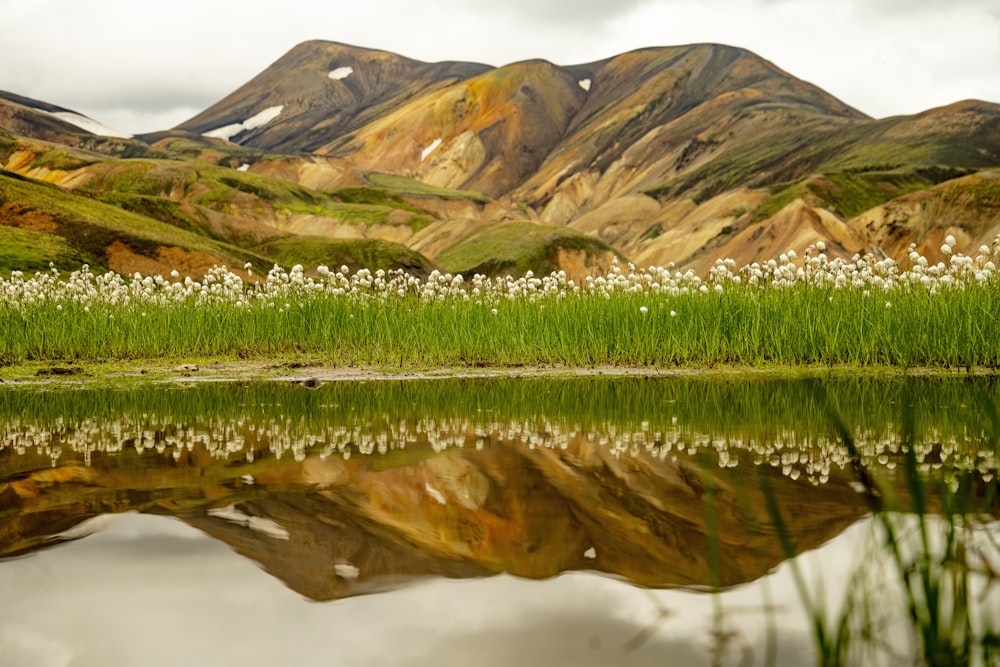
x=220 y=286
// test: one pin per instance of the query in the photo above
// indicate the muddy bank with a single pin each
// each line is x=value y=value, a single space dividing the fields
x=312 y=372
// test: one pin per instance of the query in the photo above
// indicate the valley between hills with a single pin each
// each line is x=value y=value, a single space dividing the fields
x=338 y=155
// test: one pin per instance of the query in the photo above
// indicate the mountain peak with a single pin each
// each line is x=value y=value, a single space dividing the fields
x=664 y=153
x=321 y=91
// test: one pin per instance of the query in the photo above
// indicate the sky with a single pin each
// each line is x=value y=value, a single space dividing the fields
x=143 y=66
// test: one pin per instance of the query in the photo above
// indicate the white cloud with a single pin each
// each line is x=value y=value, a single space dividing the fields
x=153 y=591
x=882 y=63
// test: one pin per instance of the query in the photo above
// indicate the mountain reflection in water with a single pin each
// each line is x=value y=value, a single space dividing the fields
x=355 y=488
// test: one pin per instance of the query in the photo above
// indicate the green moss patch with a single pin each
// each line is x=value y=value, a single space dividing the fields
x=29 y=251
x=409 y=187
x=515 y=248
x=157 y=208
x=846 y=194
x=57 y=158
x=88 y=225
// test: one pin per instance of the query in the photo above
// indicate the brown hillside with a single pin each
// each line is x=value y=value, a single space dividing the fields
x=967 y=208
x=318 y=109
x=669 y=154
x=488 y=133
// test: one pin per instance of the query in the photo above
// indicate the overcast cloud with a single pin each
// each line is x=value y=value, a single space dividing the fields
x=152 y=591
x=140 y=67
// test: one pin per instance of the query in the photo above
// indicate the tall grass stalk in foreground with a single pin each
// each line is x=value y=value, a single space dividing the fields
x=809 y=311
x=933 y=556
x=940 y=557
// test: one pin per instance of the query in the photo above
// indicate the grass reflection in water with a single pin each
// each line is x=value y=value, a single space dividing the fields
x=639 y=477
x=763 y=421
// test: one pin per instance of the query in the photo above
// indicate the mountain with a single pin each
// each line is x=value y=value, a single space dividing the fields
x=512 y=507
x=675 y=154
x=324 y=91
x=331 y=527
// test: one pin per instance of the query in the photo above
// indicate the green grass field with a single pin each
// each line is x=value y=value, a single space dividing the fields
x=734 y=328
x=636 y=318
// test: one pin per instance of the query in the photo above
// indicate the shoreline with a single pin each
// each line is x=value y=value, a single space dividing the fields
x=312 y=372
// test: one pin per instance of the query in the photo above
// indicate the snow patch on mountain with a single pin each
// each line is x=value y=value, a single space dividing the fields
x=435 y=494
x=585 y=84
x=258 y=524
x=264 y=117
x=260 y=119
x=88 y=124
x=430 y=149
x=341 y=73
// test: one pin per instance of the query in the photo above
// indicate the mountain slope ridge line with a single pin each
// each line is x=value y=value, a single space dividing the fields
x=667 y=154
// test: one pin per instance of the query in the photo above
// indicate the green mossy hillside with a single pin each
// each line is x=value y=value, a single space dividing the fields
x=83 y=228
x=30 y=251
x=514 y=248
x=410 y=187
x=846 y=194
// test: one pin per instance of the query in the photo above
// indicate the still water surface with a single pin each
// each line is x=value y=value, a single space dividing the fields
x=550 y=521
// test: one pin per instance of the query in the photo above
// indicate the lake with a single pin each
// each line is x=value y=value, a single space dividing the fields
x=743 y=519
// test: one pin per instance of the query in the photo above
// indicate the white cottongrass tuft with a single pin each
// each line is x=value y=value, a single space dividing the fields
x=283 y=288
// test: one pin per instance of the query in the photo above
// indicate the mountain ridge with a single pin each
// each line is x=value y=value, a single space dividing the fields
x=658 y=155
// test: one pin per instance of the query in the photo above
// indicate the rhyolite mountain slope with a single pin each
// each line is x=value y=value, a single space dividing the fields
x=511 y=507
x=675 y=154
x=515 y=507
x=325 y=90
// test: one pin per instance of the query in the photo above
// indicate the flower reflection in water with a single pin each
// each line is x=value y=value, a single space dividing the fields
x=355 y=488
